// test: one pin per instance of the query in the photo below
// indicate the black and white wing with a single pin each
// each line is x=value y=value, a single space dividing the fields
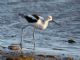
x=30 y=18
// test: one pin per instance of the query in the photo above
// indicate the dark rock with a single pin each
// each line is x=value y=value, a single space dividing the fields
x=40 y=57
x=71 y=41
x=51 y=57
x=68 y=58
x=14 y=47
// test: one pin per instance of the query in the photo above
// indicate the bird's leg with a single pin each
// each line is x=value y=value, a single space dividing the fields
x=34 y=43
x=21 y=41
x=22 y=38
x=33 y=37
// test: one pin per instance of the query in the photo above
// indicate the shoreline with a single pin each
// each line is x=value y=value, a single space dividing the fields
x=39 y=54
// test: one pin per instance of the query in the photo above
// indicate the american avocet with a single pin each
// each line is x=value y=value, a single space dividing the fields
x=36 y=21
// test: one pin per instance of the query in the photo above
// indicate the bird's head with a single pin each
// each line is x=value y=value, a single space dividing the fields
x=50 y=18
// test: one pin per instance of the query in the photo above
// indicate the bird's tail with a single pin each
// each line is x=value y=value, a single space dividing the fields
x=22 y=15
x=24 y=20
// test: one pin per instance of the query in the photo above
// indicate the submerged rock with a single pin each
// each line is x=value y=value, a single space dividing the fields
x=71 y=41
x=14 y=47
x=68 y=58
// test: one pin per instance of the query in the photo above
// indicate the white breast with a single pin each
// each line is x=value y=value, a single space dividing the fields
x=39 y=25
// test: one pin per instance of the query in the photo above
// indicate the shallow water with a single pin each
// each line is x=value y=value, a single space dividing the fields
x=65 y=12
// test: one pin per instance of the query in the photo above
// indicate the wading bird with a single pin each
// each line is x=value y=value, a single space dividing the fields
x=36 y=21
